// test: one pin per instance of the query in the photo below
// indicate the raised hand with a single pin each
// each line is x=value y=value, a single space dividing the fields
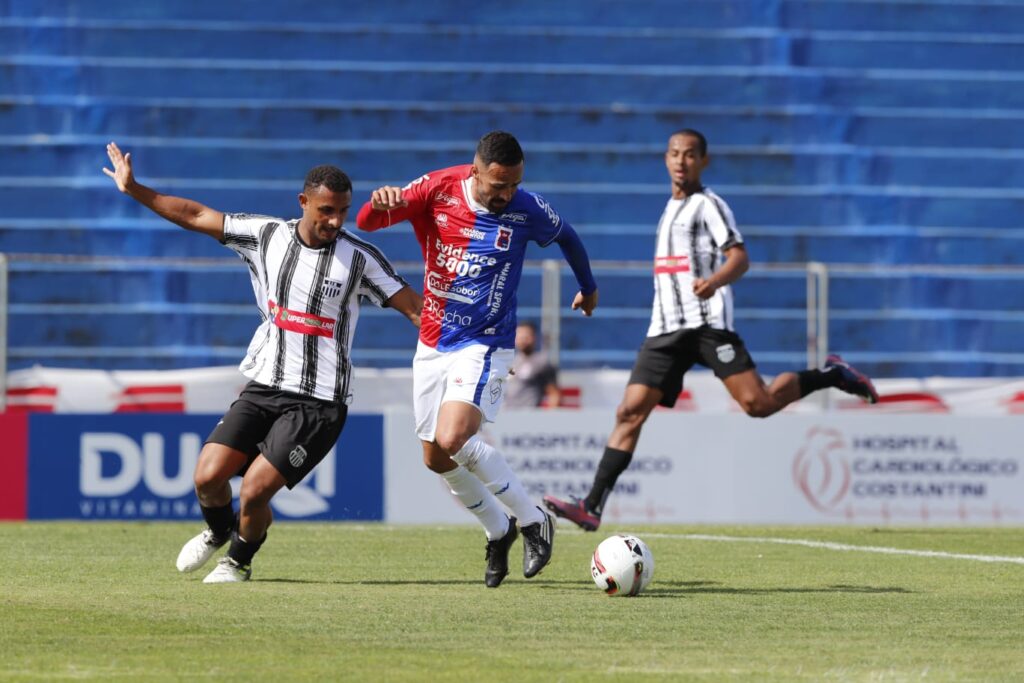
x=122 y=173
x=387 y=198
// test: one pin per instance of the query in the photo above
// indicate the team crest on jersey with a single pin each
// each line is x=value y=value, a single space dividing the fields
x=331 y=288
x=297 y=456
x=726 y=353
x=503 y=240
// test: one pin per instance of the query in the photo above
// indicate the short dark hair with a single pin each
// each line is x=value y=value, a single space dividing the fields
x=331 y=177
x=499 y=147
x=702 y=141
x=528 y=323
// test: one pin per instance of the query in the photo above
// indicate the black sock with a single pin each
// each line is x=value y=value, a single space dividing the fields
x=613 y=463
x=812 y=380
x=241 y=550
x=221 y=520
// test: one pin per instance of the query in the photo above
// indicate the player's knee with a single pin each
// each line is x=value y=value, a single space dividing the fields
x=630 y=416
x=208 y=480
x=255 y=493
x=757 y=406
x=451 y=441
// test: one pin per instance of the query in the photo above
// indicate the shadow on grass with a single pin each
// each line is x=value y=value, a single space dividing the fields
x=668 y=589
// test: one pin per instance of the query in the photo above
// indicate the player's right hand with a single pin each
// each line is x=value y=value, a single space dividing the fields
x=387 y=198
x=122 y=173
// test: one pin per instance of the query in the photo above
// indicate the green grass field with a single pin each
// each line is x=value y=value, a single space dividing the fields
x=372 y=602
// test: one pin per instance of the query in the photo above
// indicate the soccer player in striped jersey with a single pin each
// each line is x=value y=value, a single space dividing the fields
x=307 y=275
x=473 y=223
x=699 y=253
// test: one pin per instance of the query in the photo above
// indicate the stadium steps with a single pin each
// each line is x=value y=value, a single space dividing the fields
x=317 y=119
x=290 y=159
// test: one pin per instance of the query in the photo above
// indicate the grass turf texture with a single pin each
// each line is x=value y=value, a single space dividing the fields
x=371 y=602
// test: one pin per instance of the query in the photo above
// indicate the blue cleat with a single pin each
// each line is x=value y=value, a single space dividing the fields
x=851 y=380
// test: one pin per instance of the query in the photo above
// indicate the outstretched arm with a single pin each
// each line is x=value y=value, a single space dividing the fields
x=576 y=256
x=736 y=264
x=408 y=302
x=184 y=212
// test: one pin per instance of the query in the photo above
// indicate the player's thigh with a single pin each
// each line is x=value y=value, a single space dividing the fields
x=304 y=432
x=747 y=388
x=724 y=352
x=639 y=400
x=473 y=375
x=261 y=481
x=457 y=421
x=661 y=363
x=234 y=441
x=429 y=370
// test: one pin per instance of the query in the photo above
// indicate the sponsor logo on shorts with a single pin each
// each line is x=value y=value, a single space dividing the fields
x=297 y=456
x=495 y=392
x=726 y=353
x=331 y=288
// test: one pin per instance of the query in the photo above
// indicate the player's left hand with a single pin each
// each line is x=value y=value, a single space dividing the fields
x=586 y=303
x=704 y=289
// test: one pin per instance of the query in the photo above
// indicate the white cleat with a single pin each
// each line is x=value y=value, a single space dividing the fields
x=198 y=551
x=228 y=571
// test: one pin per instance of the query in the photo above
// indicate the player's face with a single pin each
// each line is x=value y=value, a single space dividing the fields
x=323 y=214
x=494 y=185
x=684 y=160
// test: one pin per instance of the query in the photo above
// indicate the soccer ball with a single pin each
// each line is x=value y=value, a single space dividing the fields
x=622 y=565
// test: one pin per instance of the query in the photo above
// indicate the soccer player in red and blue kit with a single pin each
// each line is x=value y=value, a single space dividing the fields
x=473 y=223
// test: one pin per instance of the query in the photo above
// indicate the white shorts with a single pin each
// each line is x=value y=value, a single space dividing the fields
x=474 y=374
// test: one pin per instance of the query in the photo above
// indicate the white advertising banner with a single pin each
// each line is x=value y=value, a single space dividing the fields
x=731 y=469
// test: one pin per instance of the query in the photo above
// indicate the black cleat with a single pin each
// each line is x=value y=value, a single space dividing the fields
x=497 y=555
x=851 y=380
x=538 y=540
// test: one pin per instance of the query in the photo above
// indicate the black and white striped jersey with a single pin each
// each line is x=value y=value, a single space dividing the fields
x=693 y=233
x=309 y=302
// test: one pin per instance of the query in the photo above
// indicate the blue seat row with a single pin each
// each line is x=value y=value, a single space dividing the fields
x=592 y=84
x=985 y=16
x=820 y=206
x=289 y=160
x=174 y=119
x=548 y=44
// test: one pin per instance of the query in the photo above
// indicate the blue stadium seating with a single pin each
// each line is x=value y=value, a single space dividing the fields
x=842 y=131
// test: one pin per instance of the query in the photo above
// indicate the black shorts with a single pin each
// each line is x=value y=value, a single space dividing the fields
x=293 y=432
x=663 y=360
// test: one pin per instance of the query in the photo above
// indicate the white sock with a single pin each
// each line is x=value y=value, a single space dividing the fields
x=478 y=500
x=490 y=467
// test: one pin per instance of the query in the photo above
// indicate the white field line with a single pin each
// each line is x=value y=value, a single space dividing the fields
x=825 y=545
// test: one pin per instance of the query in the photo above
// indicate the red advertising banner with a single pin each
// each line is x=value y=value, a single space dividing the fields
x=13 y=465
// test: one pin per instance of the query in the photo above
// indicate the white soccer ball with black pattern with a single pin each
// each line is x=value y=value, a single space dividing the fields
x=622 y=565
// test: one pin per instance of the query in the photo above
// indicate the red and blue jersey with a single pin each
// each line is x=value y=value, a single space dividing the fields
x=473 y=258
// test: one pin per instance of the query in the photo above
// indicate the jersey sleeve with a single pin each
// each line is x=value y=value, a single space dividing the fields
x=379 y=281
x=720 y=223
x=416 y=193
x=547 y=224
x=242 y=232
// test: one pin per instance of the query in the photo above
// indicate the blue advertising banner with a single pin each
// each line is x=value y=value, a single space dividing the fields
x=140 y=466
